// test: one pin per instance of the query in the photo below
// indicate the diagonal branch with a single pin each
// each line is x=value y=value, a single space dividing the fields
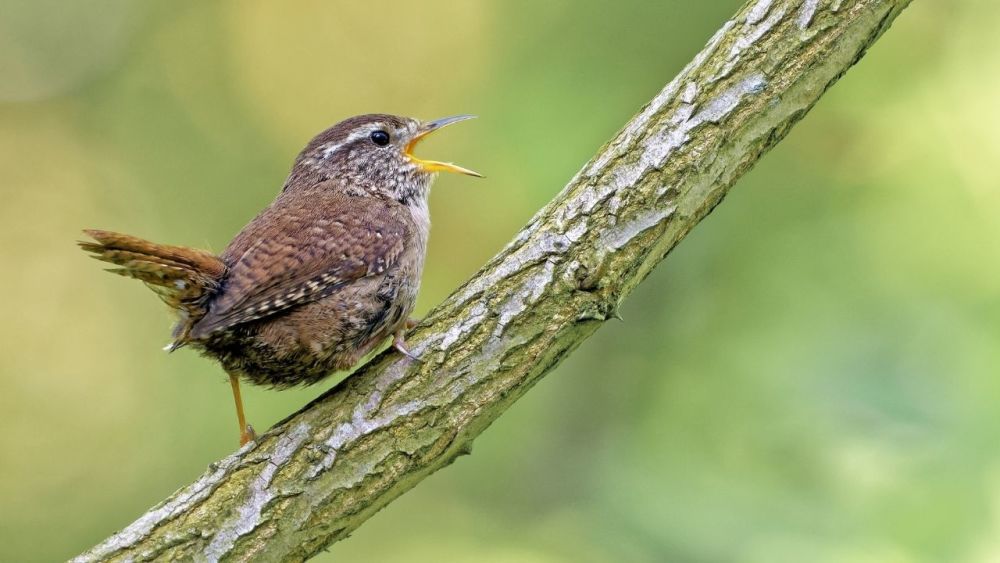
x=318 y=475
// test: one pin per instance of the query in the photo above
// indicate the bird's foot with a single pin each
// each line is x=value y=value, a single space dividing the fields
x=400 y=345
x=247 y=435
x=411 y=323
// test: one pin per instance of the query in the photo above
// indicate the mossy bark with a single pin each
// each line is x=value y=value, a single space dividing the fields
x=318 y=475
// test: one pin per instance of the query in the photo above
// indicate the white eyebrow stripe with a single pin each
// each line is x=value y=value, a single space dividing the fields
x=330 y=149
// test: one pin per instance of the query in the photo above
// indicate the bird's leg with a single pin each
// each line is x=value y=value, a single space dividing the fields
x=399 y=343
x=246 y=431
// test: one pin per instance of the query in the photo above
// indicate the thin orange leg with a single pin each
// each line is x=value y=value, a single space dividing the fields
x=246 y=431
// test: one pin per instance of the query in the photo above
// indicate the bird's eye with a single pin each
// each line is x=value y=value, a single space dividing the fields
x=380 y=138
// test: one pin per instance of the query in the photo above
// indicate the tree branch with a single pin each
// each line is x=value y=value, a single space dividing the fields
x=318 y=475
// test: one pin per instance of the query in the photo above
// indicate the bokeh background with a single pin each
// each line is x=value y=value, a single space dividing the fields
x=813 y=375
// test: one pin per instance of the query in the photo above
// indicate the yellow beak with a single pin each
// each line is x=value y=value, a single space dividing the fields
x=433 y=165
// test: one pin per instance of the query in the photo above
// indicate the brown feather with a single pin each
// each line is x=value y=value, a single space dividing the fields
x=183 y=277
x=198 y=260
x=291 y=255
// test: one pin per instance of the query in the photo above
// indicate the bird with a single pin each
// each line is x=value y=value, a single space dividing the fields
x=318 y=279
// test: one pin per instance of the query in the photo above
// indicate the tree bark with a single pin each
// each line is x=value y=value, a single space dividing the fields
x=318 y=475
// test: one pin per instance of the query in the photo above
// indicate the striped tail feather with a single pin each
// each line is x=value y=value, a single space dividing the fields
x=184 y=278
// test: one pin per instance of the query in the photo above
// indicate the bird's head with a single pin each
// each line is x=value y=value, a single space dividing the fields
x=373 y=155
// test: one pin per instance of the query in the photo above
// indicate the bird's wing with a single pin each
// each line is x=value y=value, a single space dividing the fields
x=301 y=251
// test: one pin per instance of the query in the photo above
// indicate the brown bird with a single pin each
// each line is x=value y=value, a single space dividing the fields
x=320 y=277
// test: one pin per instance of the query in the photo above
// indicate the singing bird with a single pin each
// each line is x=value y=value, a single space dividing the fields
x=322 y=276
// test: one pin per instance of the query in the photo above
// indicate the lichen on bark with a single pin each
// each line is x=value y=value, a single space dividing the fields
x=319 y=474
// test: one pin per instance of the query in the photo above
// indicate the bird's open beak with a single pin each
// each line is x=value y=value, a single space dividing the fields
x=432 y=165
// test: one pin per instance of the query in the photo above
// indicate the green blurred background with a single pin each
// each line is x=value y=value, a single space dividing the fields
x=811 y=376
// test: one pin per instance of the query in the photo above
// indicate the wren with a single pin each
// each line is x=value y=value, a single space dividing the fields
x=322 y=276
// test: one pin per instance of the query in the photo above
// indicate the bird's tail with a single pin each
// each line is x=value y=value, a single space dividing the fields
x=184 y=278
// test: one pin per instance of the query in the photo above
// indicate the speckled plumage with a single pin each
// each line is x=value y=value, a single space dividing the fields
x=312 y=286
x=320 y=277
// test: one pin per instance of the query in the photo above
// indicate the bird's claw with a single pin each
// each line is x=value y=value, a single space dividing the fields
x=400 y=345
x=247 y=435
